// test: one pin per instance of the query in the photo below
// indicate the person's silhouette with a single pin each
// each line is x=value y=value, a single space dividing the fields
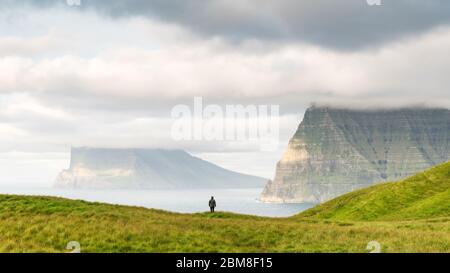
x=212 y=204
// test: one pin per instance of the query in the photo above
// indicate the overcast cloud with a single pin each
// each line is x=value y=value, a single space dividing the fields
x=108 y=73
x=348 y=24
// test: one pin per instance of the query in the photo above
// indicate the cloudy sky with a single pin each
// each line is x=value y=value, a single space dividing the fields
x=107 y=73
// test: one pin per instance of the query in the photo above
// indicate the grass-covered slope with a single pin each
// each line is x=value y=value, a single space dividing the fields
x=424 y=195
x=46 y=224
x=406 y=216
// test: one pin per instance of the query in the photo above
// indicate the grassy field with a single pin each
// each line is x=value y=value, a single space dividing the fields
x=407 y=216
x=422 y=196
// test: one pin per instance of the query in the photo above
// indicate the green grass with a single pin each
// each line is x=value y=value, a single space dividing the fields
x=407 y=216
x=422 y=196
x=45 y=224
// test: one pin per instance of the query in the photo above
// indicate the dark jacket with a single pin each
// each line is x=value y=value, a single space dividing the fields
x=212 y=203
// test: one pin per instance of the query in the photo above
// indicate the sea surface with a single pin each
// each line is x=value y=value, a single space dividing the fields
x=243 y=201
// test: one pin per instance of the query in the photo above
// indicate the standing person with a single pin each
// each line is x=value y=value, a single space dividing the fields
x=212 y=204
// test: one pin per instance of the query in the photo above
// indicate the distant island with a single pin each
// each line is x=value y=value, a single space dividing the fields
x=101 y=168
x=337 y=150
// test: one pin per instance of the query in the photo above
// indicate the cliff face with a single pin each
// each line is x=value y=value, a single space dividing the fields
x=92 y=168
x=335 y=151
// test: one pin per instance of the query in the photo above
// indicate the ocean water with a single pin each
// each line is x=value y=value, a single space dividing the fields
x=243 y=201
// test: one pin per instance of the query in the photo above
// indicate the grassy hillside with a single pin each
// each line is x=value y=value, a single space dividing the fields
x=42 y=224
x=406 y=216
x=422 y=196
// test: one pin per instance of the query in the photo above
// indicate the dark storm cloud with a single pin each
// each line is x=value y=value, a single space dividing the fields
x=349 y=24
